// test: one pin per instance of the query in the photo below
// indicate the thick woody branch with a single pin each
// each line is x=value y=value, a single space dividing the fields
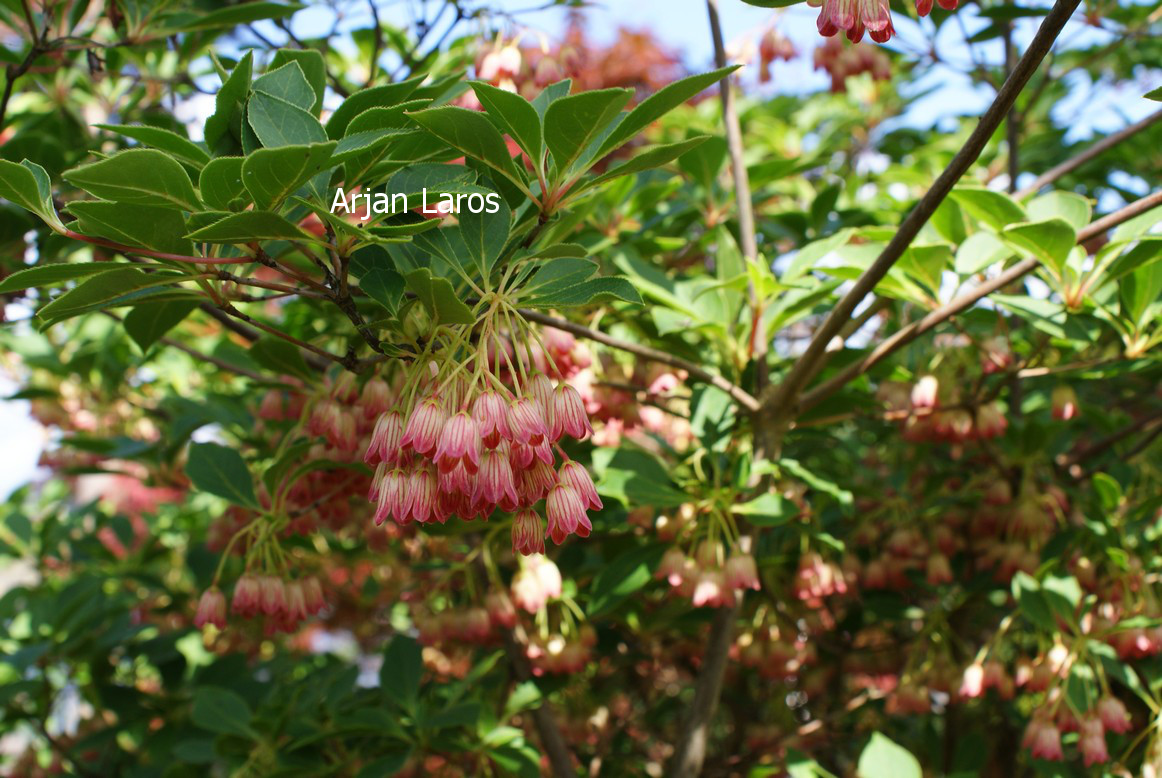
x=741 y=396
x=1102 y=146
x=906 y=335
x=779 y=401
x=690 y=750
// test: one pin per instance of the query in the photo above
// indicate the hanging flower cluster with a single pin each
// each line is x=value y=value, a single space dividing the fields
x=477 y=429
x=855 y=17
x=705 y=578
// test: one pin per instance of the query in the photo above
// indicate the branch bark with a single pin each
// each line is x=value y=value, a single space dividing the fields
x=778 y=402
x=690 y=750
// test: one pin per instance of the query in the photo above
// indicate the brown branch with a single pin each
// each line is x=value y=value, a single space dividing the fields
x=741 y=396
x=690 y=752
x=778 y=402
x=560 y=758
x=907 y=334
x=1100 y=147
x=121 y=247
x=1070 y=461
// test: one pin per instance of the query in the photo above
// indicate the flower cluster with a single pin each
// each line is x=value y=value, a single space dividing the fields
x=285 y=604
x=704 y=578
x=466 y=452
x=842 y=61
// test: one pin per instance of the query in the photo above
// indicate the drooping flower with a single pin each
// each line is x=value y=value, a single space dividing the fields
x=972 y=684
x=1064 y=401
x=528 y=533
x=710 y=590
x=923 y=8
x=574 y=474
x=376 y=397
x=211 y=609
x=1092 y=742
x=459 y=444
x=1045 y=740
x=924 y=393
x=421 y=495
x=742 y=572
x=296 y=601
x=672 y=567
x=490 y=413
x=1113 y=714
x=854 y=17
x=393 y=498
x=423 y=428
x=566 y=514
x=272 y=595
x=526 y=422
x=247 y=597
x=313 y=594
x=494 y=480
x=500 y=610
x=386 y=439
x=569 y=416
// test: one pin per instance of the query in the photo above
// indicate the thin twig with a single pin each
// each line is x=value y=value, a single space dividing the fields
x=1100 y=147
x=742 y=196
x=741 y=396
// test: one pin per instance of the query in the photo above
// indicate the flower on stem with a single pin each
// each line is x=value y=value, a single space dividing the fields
x=423 y=428
x=574 y=474
x=386 y=439
x=566 y=514
x=568 y=414
x=855 y=17
x=211 y=609
x=490 y=412
x=459 y=444
x=528 y=533
x=247 y=596
x=742 y=572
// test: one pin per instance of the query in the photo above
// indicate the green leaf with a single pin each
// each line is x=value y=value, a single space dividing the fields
x=145 y=226
x=1154 y=94
x=247 y=227
x=378 y=277
x=221 y=183
x=288 y=84
x=272 y=175
x=1109 y=491
x=995 y=209
x=515 y=115
x=551 y=94
x=659 y=104
x=221 y=471
x=1031 y=601
x=485 y=235
x=232 y=16
x=573 y=123
x=148 y=322
x=594 y=290
x=402 y=668
x=225 y=124
x=471 y=133
x=767 y=510
x=384 y=766
x=143 y=176
x=650 y=158
x=414 y=179
x=1069 y=206
x=439 y=298
x=124 y=286
x=56 y=274
x=166 y=140
x=883 y=758
x=1049 y=241
x=979 y=251
x=280 y=356
x=278 y=117
x=28 y=186
x=222 y=711
x=383 y=96
x=1139 y=290
x=314 y=70
x=622 y=576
